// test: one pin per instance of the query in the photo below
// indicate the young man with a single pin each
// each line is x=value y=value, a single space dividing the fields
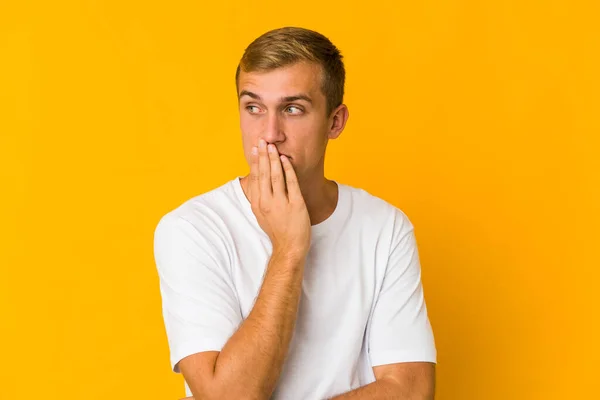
x=284 y=284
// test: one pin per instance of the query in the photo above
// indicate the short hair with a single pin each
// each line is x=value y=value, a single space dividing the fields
x=286 y=46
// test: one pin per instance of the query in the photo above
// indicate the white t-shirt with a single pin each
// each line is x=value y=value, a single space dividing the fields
x=362 y=301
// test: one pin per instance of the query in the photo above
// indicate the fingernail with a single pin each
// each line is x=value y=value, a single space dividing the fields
x=254 y=150
x=271 y=148
x=262 y=143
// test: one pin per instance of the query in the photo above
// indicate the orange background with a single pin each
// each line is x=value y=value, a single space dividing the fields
x=479 y=119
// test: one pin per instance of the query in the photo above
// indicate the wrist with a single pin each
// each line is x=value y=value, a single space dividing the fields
x=289 y=254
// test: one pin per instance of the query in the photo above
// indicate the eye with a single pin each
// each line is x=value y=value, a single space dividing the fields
x=298 y=110
x=253 y=109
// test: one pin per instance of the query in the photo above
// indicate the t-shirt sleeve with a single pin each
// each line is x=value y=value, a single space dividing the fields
x=199 y=302
x=400 y=330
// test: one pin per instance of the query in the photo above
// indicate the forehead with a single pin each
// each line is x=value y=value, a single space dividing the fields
x=300 y=77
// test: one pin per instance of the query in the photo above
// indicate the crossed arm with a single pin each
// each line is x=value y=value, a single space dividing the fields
x=400 y=381
x=249 y=364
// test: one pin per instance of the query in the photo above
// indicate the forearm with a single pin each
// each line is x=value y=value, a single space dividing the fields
x=386 y=389
x=379 y=390
x=251 y=361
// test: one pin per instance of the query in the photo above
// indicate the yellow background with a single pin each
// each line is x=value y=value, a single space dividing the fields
x=479 y=119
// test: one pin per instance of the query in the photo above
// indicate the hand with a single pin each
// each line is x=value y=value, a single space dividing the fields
x=281 y=214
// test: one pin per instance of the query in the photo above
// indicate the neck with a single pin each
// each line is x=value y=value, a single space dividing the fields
x=320 y=195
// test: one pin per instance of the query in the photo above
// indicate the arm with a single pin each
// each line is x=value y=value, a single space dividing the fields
x=399 y=381
x=251 y=361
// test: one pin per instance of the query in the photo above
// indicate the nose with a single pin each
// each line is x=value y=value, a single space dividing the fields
x=273 y=129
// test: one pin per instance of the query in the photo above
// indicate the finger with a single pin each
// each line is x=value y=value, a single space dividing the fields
x=291 y=180
x=277 y=179
x=254 y=175
x=264 y=171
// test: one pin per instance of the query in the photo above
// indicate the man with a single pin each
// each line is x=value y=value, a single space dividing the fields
x=284 y=284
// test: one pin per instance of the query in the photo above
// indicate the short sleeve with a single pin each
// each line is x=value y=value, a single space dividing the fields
x=400 y=330
x=199 y=304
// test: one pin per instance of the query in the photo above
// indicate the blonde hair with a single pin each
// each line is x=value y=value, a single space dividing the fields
x=285 y=46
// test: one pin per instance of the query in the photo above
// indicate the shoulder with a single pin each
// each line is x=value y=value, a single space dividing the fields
x=205 y=205
x=200 y=219
x=207 y=208
x=376 y=210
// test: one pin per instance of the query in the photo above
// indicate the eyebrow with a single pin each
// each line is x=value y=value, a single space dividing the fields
x=300 y=96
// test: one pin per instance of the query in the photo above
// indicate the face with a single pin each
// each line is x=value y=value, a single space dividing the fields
x=286 y=107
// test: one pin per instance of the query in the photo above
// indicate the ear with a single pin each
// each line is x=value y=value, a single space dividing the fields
x=337 y=121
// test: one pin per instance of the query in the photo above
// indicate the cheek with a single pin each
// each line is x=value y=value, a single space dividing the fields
x=247 y=124
x=300 y=128
x=250 y=129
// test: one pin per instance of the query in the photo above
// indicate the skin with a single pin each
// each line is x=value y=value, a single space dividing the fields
x=251 y=361
x=299 y=129
x=287 y=110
